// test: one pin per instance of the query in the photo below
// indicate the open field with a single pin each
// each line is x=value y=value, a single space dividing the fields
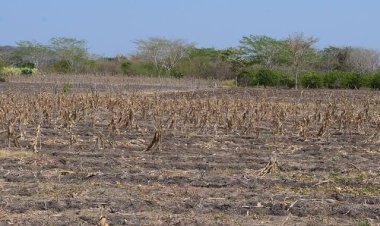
x=195 y=157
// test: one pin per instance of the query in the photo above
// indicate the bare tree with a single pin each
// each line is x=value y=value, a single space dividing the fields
x=301 y=52
x=363 y=60
x=163 y=53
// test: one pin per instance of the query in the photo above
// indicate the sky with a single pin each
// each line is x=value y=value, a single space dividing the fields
x=111 y=27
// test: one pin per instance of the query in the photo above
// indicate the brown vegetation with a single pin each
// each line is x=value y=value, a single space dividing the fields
x=220 y=156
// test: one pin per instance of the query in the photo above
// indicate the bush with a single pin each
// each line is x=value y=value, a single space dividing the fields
x=352 y=81
x=28 y=65
x=287 y=80
x=367 y=80
x=26 y=71
x=125 y=67
x=11 y=71
x=2 y=64
x=263 y=77
x=266 y=77
x=66 y=88
x=62 y=66
x=375 y=81
x=176 y=74
x=3 y=78
x=311 y=80
x=142 y=68
x=333 y=79
x=244 y=78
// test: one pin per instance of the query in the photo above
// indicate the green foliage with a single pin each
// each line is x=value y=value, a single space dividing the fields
x=9 y=71
x=32 y=54
x=267 y=77
x=2 y=64
x=62 y=66
x=204 y=52
x=125 y=67
x=28 y=65
x=334 y=58
x=365 y=222
x=244 y=78
x=176 y=74
x=311 y=79
x=264 y=77
x=26 y=71
x=342 y=79
x=333 y=79
x=2 y=76
x=264 y=50
x=375 y=81
x=353 y=81
x=287 y=80
x=66 y=88
x=142 y=68
x=71 y=53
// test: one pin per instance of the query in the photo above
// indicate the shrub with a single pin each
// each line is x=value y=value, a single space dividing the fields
x=66 y=88
x=62 y=66
x=311 y=80
x=365 y=222
x=2 y=64
x=367 y=80
x=28 y=65
x=375 y=81
x=333 y=79
x=11 y=71
x=125 y=67
x=287 y=80
x=26 y=71
x=266 y=77
x=3 y=78
x=18 y=71
x=352 y=81
x=245 y=78
x=176 y=74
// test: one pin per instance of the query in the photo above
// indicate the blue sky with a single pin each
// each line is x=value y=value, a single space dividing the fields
x=110 y=27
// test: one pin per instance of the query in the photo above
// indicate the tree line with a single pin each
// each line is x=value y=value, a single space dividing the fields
x=259 y=60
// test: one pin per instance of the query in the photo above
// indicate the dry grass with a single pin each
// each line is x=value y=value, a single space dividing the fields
x=4 y=153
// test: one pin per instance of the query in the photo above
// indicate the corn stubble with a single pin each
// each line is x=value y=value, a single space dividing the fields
x=24 y=118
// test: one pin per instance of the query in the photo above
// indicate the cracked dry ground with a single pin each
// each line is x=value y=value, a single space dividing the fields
x=201 y=176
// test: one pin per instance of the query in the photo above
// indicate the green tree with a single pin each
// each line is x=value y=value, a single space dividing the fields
x=334 y=58
x=70 y=52
x=204 y=62
x=264 y=50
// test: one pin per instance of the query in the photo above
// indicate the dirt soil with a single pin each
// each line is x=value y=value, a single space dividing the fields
x=200 y=175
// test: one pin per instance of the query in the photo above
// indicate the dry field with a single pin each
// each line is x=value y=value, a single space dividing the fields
x=195 y=157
